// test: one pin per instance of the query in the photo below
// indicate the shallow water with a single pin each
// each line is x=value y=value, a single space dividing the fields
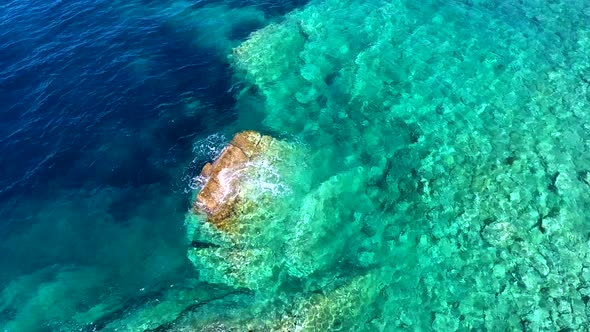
x=436 y=177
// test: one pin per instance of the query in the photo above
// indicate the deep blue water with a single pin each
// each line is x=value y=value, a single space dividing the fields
x=77 y=77
x=101 y=103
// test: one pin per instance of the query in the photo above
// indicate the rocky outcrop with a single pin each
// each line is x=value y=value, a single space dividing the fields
x=220 y=197
x=248 y=195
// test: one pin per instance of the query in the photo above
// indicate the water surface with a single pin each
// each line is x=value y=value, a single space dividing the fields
x=437 y=177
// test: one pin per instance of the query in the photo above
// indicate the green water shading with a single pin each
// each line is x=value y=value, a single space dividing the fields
x=444 y=183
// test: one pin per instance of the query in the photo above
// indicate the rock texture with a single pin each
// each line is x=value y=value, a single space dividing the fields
x=220 y=196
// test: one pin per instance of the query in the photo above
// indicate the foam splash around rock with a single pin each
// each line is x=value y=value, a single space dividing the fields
x=242 y=171
x=239 y=208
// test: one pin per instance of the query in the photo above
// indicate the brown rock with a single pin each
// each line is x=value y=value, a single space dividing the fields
x=211 y=197
x=219 y=197
x=207 y=169
x=247 y=141
x=230 y=160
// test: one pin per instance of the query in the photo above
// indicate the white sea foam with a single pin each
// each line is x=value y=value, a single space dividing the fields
x=210 y=147
x=267 y=179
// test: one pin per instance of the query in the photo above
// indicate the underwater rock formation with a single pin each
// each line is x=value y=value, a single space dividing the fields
x=462 y=165
x=220 y=196
x=439 y=155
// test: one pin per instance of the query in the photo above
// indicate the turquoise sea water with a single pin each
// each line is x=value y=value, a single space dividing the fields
x=435 y=175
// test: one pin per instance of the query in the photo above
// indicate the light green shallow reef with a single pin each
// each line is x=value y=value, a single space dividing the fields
x=437 y=175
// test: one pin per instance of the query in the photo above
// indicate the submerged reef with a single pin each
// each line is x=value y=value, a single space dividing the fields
x=448 y=156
